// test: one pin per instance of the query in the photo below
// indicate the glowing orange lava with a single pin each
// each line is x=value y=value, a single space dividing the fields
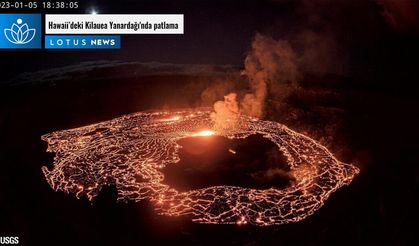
x=173 y=118
x=204 y=133
x=130 y=151
x=232 y=151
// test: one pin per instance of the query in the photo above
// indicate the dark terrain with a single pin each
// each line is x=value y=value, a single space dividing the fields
x=255 y=163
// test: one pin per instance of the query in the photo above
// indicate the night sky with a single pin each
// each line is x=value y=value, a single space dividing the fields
x=362 y=39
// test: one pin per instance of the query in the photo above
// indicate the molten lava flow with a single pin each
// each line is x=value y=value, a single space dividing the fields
x=172 y=118
x=130 y=151
x=204 y=133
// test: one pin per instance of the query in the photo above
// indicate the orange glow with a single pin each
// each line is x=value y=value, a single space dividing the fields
x=174 y=118
x=148 y=143
x=204 y=133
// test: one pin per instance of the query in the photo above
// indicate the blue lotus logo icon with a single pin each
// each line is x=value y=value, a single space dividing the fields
x=19 y=33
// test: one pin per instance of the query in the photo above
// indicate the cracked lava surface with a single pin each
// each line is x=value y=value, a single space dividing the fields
x=131 y=151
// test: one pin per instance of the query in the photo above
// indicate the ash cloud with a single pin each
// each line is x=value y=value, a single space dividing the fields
x=270 y=64
x=218 y=89
x=226 y=112
x=270 y=68
x=274 y=67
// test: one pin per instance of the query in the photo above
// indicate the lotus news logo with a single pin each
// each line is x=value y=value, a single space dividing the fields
x=20 y=31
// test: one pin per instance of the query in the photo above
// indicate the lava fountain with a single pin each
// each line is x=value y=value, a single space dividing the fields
x=204 y=133
x=130 y=152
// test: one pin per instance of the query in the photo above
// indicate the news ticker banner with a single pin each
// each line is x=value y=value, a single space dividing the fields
x=81 y=31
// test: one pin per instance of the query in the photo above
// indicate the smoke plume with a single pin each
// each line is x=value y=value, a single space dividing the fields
x=270 y=67
x=226 y=112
